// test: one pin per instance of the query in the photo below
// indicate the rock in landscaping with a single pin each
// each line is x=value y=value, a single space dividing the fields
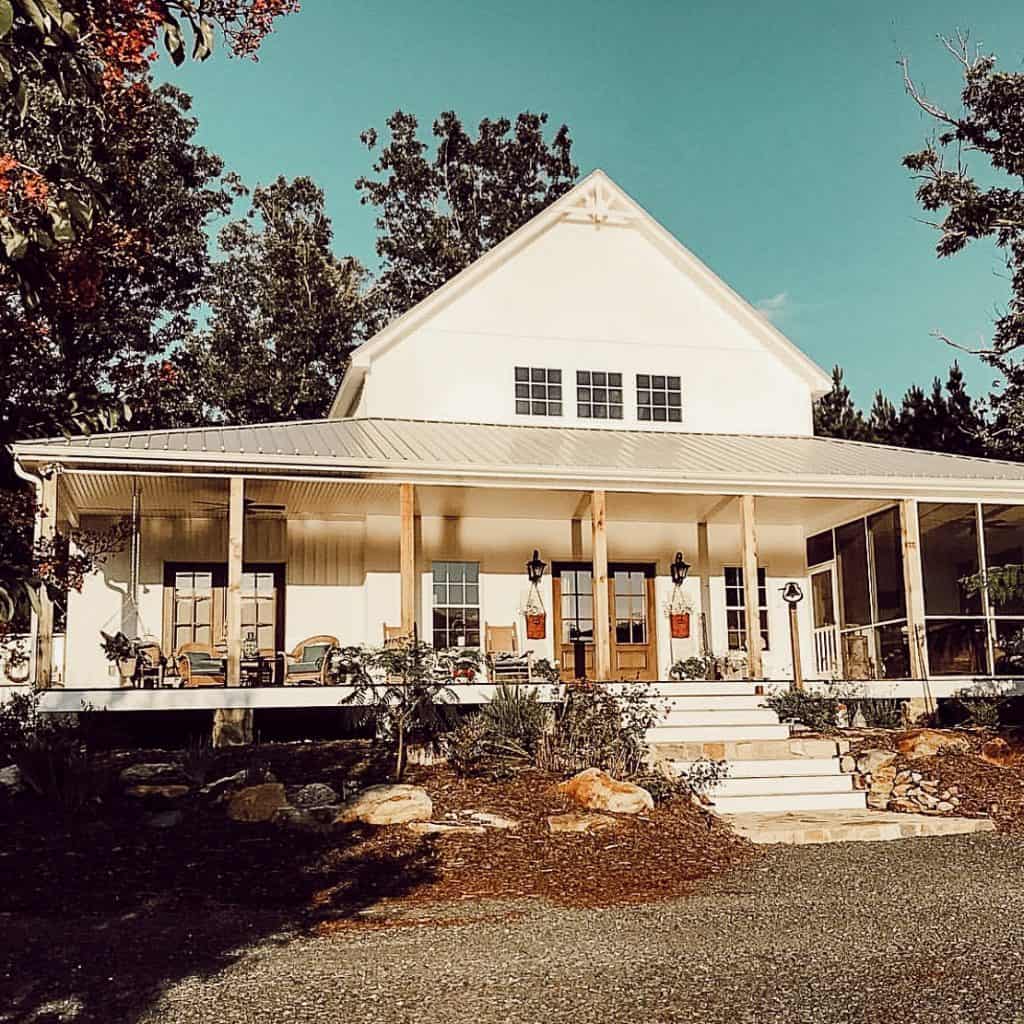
x=221 y=786
x=11 y=781
x=165 y=819
x=158 y=792
x=1000 y=752
x=388 y=805
x=152 y=774
x=883 y=780
x=257 y=803
x=918 y=743
x=444 y=828
x=494 y=820
x=869 y=761
x=316 y=794
x=598 y=791
x=576 y=822
x=300 y=819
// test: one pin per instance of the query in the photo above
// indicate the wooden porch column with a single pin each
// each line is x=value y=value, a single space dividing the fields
x=704 y=570
x=602 y=618
x=236 y=521
x=46 y=529
x=913 y=585
x=407 y=558
x=748 y=529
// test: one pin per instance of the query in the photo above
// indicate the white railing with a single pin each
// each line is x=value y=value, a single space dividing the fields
x=826 y=650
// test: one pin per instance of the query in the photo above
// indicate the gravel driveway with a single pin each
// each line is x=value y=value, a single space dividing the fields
x=923 y=930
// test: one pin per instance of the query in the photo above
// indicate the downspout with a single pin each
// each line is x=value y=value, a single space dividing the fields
x=134 y=554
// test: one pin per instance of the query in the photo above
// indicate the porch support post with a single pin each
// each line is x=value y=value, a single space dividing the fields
x=46 y=529
x=602 y=619
x=704 y=570
x=913 y=584
x=236 y=519
x=748 y=528
x=407 y=558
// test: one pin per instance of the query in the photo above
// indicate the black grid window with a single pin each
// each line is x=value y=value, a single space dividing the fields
x=736 y=608
x=598 y=395
x=659 y=399
x=456 y=604
x=538 y=391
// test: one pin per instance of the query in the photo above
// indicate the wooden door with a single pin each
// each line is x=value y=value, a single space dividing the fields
x=632 y=627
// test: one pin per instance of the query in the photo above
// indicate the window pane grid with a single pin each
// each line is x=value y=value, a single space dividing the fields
x=538 y=391
x=599 y=395
x=456 y=604
x=659 y=398
x=578 y=606
x=736 y=610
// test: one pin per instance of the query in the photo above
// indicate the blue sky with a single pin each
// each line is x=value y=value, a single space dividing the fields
x=767 y=137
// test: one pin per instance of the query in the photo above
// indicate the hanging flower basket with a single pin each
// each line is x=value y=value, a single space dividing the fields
x=679 y=623
x=536 y=625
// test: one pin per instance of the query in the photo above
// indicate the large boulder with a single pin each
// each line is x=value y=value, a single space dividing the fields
x=918 y=743
x=598 y=791
x=869 y=761
x=153 y=775
x=256 y=804
x=1003 y=750
x=11 y=781
x=316 y=794
x=387 y=805
x=219 y=787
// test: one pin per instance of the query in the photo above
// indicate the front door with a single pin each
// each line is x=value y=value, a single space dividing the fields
x=631 y=603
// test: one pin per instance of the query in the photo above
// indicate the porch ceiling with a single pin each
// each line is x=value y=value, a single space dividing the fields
x=99 y=493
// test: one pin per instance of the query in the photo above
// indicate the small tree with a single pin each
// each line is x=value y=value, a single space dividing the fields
x=406 y=688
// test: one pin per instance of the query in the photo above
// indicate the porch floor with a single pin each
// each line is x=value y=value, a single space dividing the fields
x=801 y=828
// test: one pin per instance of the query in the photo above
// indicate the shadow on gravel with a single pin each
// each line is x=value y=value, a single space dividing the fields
x=97 y=921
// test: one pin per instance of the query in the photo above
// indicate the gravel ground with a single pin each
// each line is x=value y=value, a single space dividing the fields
x=922 y=930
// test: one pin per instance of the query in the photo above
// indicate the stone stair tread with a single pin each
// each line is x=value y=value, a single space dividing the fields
x=770 y=768
x=724 y=804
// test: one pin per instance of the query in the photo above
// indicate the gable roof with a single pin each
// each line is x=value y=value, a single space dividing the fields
x=583 y=457
x=596 y=199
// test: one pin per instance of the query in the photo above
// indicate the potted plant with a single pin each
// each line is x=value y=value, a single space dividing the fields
x=679 y=610
x=692 y=668
x=121 y=651
x=536 y=616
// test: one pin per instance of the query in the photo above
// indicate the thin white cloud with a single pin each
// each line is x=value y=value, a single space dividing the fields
x=775 y=308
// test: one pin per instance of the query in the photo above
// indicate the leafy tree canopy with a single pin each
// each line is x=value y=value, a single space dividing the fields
x=284 y=312
x=436 y=213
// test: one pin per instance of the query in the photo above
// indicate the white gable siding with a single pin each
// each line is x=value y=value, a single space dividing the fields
x=583 y=297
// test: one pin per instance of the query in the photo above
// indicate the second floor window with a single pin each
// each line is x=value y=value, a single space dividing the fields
x=538 y=391
x=598 y=395
x=659 y=399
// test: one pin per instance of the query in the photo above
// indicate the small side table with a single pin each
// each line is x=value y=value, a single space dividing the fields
x=256 y=671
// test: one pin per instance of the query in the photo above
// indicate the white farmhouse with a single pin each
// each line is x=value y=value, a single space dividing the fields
x=588 y=390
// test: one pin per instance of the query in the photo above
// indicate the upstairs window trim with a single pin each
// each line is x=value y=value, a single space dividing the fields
x=659 y=398
x=538 y=391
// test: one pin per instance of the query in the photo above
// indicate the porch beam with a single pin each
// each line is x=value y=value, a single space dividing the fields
x=407 y=557
x=748 y=529
x=46 y=529
x=602 y=618
x=704 y=572
x=913 y=585
x=236 y=527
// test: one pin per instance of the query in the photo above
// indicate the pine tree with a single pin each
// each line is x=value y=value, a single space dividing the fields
x=835 y=414
x=883 y=422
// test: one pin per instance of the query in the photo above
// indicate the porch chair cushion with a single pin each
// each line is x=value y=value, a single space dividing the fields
x=312 y=659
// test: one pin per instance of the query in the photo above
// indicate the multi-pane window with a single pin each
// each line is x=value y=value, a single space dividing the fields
x=538 y=391
x=630 y=606
x=577 y=606
x=598 y=395
x=259 y=608
x=736 y=608
x=456 y=604
x=193 y=607
x=659 y=399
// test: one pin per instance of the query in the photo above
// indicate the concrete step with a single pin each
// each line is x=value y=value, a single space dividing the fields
x=712 y=702
x=779 y=768
x=665 y=748
x=775 y=803
x=730 y=787
x=723 y=717
x=703 y=688
x=849 y=826
x=715 y=734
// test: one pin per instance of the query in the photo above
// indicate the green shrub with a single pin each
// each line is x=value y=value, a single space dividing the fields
x=982 y=704
x=62 y=772
x=515 y=719
x=467 y=744
x=877 y=712
x=816 y=712
x=198 y=758
x=692 y=668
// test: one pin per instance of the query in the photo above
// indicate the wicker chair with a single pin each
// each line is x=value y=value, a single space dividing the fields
x=306 y=663
x=200 y=665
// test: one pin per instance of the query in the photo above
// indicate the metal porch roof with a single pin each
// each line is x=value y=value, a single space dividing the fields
x=369 y=444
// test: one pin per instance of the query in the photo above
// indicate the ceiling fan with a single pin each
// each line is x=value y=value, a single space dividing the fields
x=251 y=507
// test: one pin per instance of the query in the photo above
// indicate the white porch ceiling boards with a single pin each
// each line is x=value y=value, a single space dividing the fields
x=535 y=456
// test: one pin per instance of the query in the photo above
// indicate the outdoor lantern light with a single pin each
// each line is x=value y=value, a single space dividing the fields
x=792 y=594
x=679 y=569
x=535 y=568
